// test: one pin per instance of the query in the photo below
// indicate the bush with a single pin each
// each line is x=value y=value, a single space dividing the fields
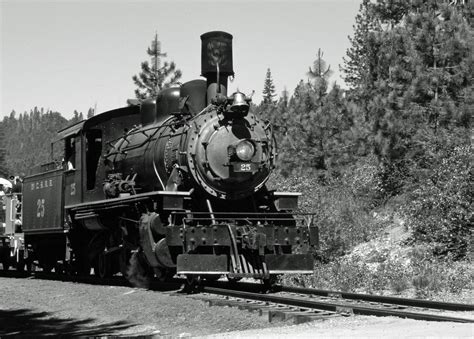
x=397 y=276
x=340 y=274
x=415 y=272
x=364 y=181
x=432 y=275
x=441 y=209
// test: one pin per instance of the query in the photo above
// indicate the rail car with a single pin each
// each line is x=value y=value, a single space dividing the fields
x=178 y=181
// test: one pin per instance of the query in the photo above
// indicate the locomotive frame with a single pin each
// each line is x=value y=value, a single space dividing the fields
x=177 y=181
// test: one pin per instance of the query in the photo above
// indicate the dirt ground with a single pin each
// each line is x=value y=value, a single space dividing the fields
x=38 y=307
x=360 y=327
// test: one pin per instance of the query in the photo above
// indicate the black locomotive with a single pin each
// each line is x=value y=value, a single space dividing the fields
x=177 y=180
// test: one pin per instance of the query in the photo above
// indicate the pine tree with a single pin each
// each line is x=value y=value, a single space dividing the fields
x=359 y=61
x=408 y=68
x=267 y=108
x=26 y=137
x=154 y=77
x=90 y=112
x=320 y=74
x=268 y=89
x=285 y=97
x=315 y=124
x=77 y=116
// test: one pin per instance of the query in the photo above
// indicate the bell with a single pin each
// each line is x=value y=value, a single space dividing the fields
x=239 y=104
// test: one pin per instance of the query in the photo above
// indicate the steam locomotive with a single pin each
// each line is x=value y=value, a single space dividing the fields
x=177 y=181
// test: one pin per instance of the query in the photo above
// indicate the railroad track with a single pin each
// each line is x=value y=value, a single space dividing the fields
x=299 y=304
x=418 y=303
x=307 y=304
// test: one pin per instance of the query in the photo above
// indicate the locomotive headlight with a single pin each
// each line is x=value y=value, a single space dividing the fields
x=245 y=150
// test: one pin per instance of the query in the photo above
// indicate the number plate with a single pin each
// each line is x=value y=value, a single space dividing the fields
x=244 y=167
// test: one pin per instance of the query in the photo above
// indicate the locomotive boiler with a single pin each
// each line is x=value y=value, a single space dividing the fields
x=177 y=181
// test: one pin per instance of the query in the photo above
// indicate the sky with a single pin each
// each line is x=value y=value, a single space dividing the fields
x=73 y=55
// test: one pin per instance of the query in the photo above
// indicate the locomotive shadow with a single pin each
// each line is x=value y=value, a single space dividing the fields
x=25 y=322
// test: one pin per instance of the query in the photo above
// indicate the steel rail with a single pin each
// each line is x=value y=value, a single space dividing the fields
x=333 y=306
x=438 y=305
x=275 y=214
x=449 y=306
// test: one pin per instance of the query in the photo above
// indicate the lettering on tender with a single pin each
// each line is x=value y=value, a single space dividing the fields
x=37 y=185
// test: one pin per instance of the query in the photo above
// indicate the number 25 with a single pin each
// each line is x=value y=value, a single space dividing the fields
x=40 y=208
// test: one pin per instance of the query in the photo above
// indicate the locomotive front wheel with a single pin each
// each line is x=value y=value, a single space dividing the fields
x=270 y=282
x=233 y=280
x=192 y=284
x=163 y=274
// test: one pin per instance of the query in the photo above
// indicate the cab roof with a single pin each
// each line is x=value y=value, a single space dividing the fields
x=96 y=119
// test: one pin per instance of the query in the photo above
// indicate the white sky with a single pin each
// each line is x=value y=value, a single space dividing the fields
x=67 y=55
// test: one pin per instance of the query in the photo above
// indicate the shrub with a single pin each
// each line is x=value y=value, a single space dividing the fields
x=397 y=276
x=349 y=275
x=413 y=271
x=441 y=209
x=459 y=276
x=432 y=275
x=363 y=179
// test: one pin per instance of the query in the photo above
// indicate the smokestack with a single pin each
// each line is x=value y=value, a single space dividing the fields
x=216 y=62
